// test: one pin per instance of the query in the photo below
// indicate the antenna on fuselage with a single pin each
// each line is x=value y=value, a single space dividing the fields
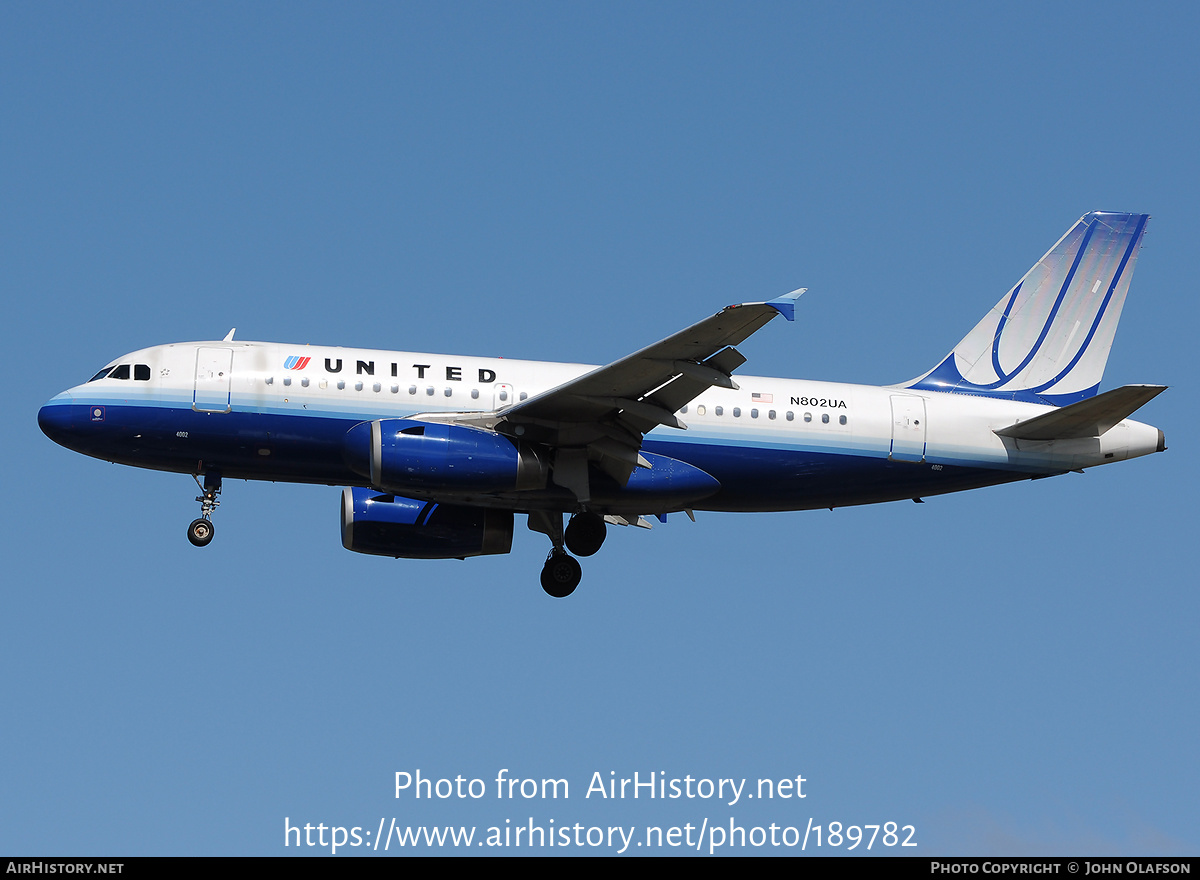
x=229 y=335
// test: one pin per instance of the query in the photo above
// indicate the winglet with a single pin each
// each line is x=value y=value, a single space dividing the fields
x=229 y=335
x=786 y=304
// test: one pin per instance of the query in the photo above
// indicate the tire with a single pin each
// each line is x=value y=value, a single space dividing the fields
x=585 y=533
x=561 y=575
x=200 y=532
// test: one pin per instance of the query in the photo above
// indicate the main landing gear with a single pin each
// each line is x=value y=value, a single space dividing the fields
x=585 y=533
x=561 y=574
x=201 y=531
x=583 y=536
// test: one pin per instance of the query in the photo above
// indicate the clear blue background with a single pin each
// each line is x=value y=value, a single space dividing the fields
x=1012 y=670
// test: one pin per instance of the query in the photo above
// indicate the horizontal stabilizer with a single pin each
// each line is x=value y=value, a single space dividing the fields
x=1087 y=418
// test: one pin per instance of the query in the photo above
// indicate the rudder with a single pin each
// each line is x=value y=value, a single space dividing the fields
x=1048 y=339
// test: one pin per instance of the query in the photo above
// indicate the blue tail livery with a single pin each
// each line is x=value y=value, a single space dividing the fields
x=1047 y=341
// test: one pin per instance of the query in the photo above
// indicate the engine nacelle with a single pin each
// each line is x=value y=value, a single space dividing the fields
x=404 y=454
x=389 y=525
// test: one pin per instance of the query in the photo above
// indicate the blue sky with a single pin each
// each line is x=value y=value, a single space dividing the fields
x=1012 y=670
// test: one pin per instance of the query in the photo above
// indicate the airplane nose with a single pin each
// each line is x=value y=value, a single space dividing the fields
x=57 y=419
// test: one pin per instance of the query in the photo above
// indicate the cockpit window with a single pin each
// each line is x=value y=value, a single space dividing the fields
x=100 y=375
x=120 y=372
x=141 y=372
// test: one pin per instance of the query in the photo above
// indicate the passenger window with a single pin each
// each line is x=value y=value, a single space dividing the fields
x=270 y=380
x=474 y=393
x=395 y=389
x=324 y=383
x=503 y=395
x=287 y=380
x=524 y=394
x=304 y=381
x=841 y=420
x=824 y=418
x=448 y=391
x=429 y=391
x=377 y=387
x=737 y=412
x=700 y=410
x=412 y=389
x=791 y=415
x=341 y=384
x=754 y=414
x=121 y=372
x=808 y=417
x=718 y=410
x=358 y=386
x=770 y=414
x=683 y=411
x=141 y=372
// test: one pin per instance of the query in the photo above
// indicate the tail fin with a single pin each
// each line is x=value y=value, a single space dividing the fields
x=1048 y=340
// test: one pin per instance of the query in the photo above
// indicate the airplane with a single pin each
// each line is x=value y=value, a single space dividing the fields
x=438 y=453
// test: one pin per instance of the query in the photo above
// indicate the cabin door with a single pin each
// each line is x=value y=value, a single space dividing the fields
x=214 y=372
x=908 y=428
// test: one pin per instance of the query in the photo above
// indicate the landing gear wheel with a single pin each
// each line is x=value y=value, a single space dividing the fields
x=200 y=532
x=561 y=575
x=585 y=534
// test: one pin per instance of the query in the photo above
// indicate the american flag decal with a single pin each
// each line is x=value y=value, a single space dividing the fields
x=296 y=363
x=762 y=398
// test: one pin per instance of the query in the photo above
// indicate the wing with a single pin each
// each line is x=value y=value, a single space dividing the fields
x=603 y=415
x=644 y=389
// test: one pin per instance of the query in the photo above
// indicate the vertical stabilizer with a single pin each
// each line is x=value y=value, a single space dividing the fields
x=1049 y=338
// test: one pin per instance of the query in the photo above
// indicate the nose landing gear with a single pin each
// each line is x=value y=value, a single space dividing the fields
x=201 y=530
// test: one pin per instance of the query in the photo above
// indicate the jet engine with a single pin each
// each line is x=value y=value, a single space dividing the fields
x=390 y=525
x=429 y=457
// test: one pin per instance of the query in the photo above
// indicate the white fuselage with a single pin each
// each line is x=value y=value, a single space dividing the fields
x=774 y=443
